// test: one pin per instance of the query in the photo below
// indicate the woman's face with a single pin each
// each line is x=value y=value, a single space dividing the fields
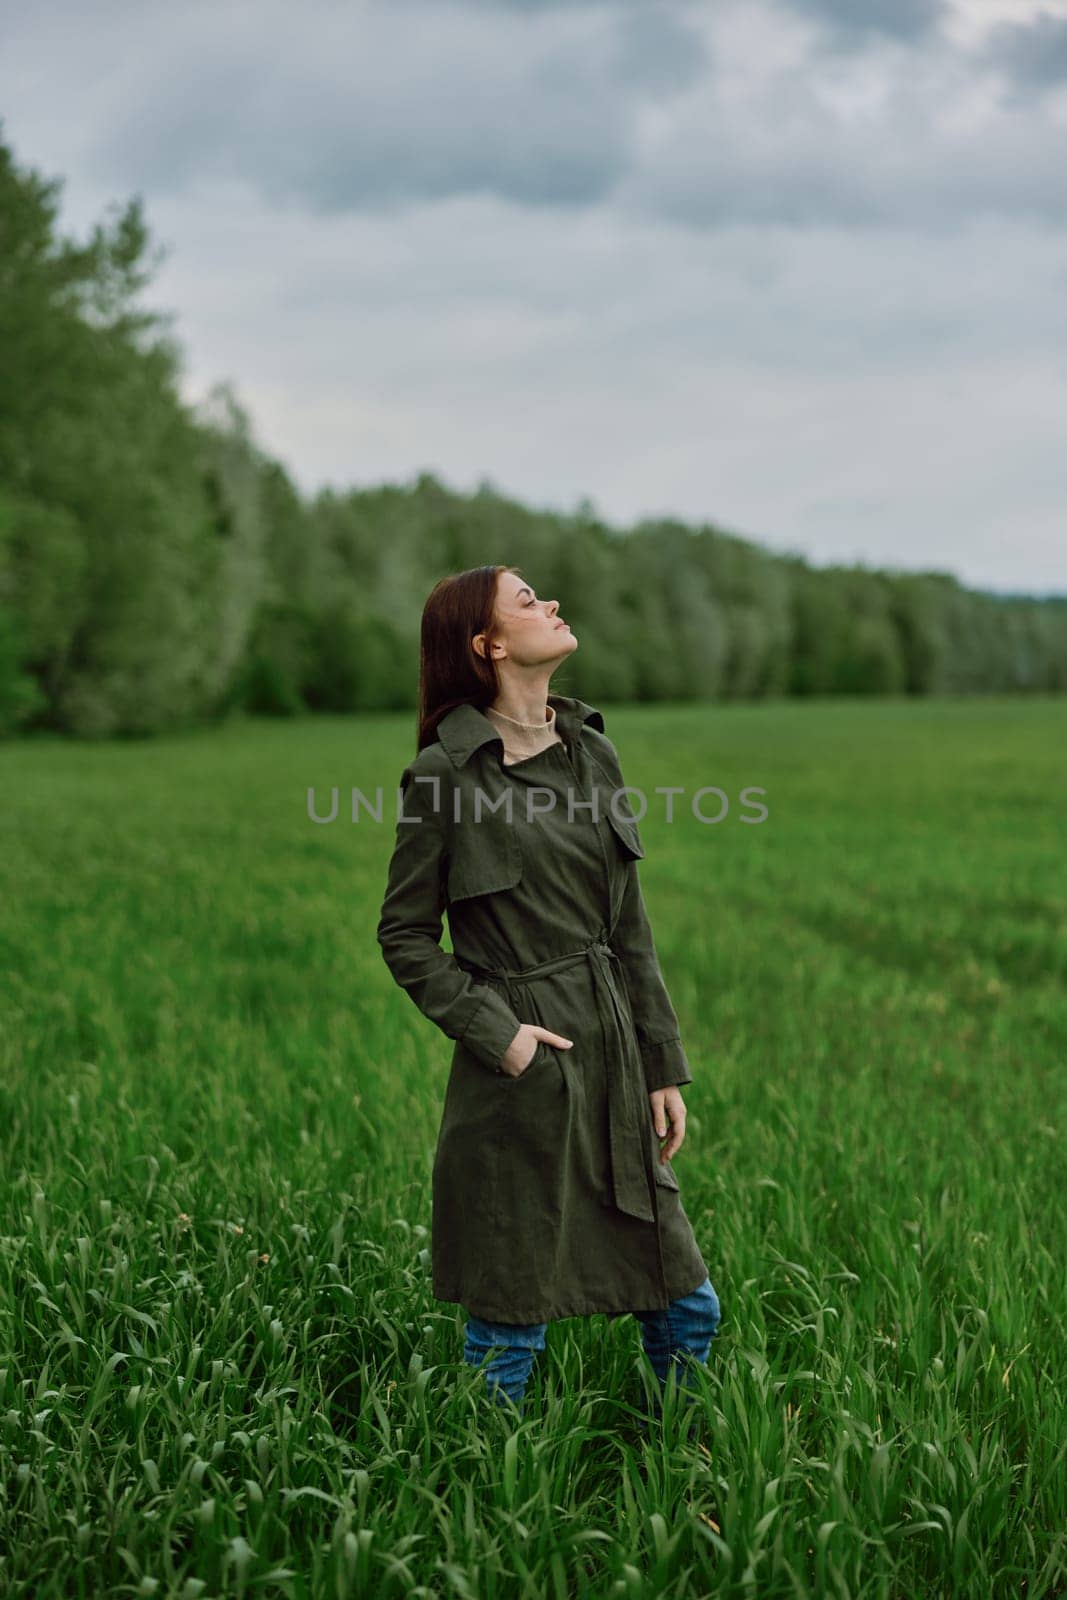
x=529 y=629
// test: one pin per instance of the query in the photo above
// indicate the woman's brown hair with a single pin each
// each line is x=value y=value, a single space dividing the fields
x=451 y=673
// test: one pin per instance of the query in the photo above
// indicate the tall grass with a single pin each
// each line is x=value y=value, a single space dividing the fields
x=222 y=1371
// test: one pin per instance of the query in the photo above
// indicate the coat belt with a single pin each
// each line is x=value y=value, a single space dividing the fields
x=628 y=1133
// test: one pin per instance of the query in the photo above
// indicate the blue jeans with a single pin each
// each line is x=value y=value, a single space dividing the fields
x=670 y=1337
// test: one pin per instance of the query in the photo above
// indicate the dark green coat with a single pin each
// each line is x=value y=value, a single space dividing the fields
x=549 y=1197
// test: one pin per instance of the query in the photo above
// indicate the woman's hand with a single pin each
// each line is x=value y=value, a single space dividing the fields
x=668 y=1106
x=522 y=1049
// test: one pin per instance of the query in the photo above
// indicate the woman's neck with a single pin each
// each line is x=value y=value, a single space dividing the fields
x=525 y=717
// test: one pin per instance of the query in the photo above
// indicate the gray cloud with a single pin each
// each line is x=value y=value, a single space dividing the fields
x=855 y=180
x=908 y=140
x=533 y=8
x=860 y=19
x=380 y=110
x=656 y=49
x=1032 y=54
x=377 y=111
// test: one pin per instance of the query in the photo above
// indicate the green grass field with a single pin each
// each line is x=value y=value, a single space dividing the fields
x=221 y=1368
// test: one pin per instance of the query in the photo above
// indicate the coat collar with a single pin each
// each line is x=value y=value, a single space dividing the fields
x=465 y=729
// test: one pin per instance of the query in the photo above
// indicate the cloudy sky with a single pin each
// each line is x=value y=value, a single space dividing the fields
x=794 y=267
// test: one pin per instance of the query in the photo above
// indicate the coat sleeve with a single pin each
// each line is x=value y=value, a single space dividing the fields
x=655 y=1020
x=410 y=927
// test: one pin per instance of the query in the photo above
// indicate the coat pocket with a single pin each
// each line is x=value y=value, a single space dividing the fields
x=537 y=1063
x=608 y=783
x=627 y=835
x=486 y=858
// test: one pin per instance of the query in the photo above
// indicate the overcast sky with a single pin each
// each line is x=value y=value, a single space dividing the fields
x=794 y=267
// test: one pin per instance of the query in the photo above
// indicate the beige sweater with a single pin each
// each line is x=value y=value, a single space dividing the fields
x=522 y=739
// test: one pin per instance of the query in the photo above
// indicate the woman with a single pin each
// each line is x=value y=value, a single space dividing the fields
x=551 y=1195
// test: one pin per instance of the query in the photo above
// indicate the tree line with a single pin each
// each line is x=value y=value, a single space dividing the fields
x=159 y=569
